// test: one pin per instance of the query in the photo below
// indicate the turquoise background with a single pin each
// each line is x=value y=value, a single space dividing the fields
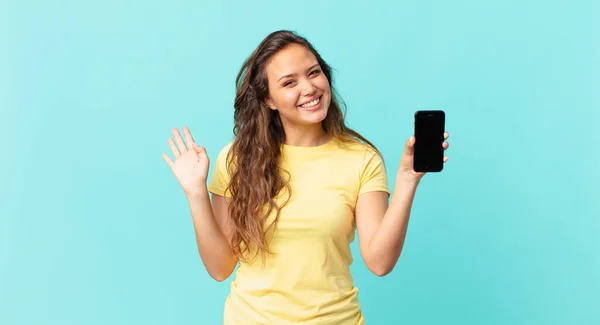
x=94 y=228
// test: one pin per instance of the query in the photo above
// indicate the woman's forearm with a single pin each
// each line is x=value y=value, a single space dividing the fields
x=213 y=246
x=388 y=240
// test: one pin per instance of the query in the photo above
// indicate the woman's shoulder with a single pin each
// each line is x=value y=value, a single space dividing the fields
x=222 y=155
x=224 y=149
x=355 y=146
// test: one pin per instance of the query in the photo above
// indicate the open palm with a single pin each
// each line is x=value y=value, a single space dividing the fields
x=191 y=161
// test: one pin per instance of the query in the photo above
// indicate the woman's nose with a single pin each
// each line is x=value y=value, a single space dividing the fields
x=308 y=88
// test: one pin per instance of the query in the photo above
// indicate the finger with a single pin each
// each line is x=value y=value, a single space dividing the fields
x=199 y=149
x=179 y=141
x=167 y=159
x=445 y=145
x=446 y=135
x=188 y=136
x=410 y=145
x=174 y=149
x=445 y=159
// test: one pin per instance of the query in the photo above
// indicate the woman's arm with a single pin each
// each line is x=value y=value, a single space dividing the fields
x=212 y=233
x=382 y=228
x=210 y=221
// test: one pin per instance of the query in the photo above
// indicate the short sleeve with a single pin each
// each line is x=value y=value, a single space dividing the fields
x=220 y=177
x=373 y=175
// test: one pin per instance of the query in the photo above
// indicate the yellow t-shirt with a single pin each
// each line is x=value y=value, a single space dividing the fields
x=306 y=279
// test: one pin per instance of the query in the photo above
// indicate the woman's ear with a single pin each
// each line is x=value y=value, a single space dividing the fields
x=270 y=104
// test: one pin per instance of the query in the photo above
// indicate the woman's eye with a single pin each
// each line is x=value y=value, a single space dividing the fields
x=315 y=72
x=287 y=83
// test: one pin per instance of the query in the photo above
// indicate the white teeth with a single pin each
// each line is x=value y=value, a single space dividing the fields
x=311 y=104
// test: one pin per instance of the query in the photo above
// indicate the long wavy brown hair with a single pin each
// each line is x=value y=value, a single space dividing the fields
x=253 y=160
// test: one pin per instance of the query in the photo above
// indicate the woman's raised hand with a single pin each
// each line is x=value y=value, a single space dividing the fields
x=191 y=162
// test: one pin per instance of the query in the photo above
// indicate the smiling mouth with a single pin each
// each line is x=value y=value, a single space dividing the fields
x=312 y=103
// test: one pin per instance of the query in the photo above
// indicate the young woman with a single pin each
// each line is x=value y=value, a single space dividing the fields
x=289 y=192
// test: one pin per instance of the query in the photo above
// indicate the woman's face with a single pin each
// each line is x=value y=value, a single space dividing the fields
x=298 y=88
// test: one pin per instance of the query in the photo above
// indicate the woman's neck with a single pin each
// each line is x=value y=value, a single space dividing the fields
x=304 y=138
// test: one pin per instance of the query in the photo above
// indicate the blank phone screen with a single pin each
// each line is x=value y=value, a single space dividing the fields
x=429 y=135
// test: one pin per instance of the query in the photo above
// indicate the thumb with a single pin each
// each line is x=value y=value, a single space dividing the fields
x=198 y=148
x=409 y=148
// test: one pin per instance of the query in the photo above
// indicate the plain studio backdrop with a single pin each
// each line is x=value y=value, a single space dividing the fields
x=95 y=229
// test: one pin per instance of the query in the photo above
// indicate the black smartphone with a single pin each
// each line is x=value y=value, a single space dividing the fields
x=429 y=140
